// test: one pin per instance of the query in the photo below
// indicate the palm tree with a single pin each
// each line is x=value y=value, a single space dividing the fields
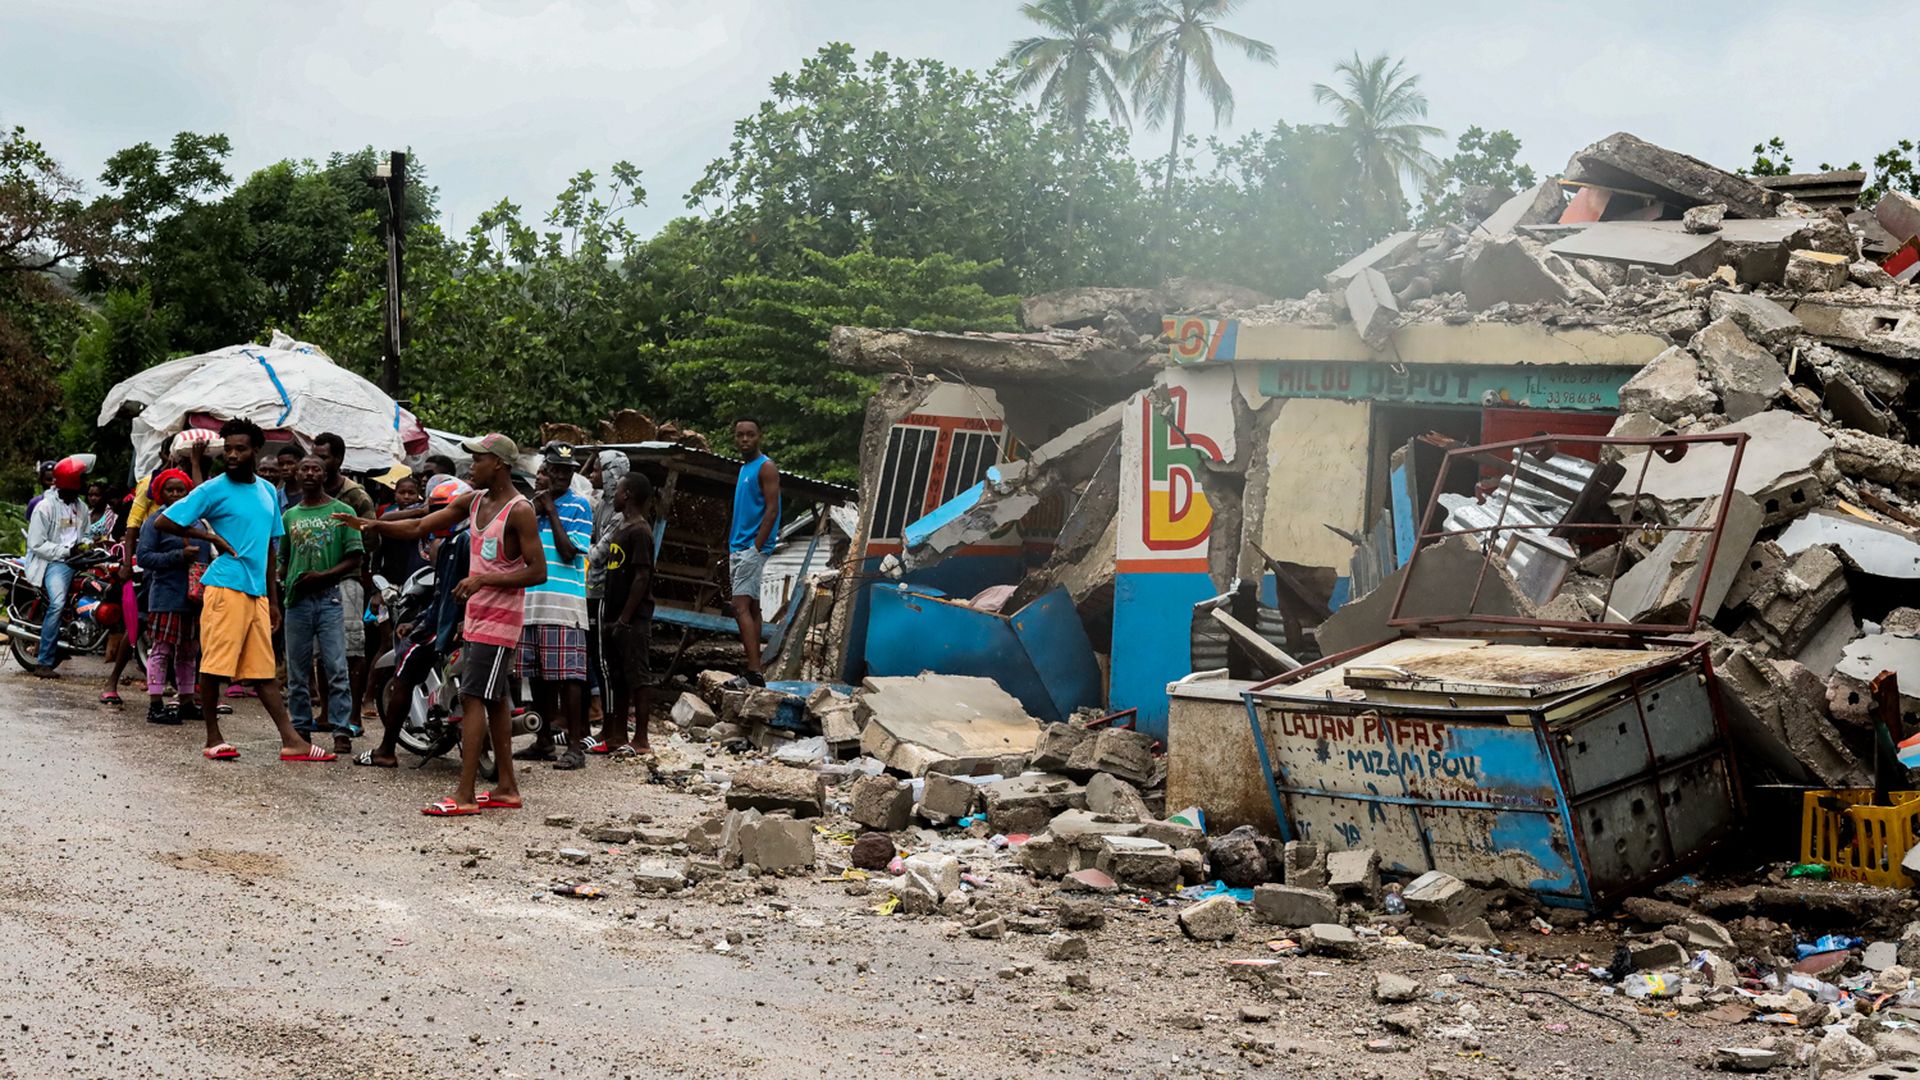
x=1378 y=121
x=1077 y=67
x=1173 y=41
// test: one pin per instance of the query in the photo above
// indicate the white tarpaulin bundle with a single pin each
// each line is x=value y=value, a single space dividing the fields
x=285 y=386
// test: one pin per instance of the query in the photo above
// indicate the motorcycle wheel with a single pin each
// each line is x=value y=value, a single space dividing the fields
x=27 y=661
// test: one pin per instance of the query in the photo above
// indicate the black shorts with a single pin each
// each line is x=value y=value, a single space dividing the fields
x=486 y=671
x=625 y=654
x=416 y=662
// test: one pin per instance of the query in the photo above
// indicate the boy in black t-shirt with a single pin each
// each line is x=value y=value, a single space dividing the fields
x=629 y=616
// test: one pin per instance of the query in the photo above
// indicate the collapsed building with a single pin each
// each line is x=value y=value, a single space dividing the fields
x=1155 y=499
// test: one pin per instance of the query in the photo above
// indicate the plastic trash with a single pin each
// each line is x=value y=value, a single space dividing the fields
x=1813 y=871
x=1830 y=943
x=1824 y=992
x=1647 y=984
x=971 y=819
x=1394 y=903
x=1193 y=817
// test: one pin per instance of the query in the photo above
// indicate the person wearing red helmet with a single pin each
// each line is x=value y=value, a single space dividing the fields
x=56 y=530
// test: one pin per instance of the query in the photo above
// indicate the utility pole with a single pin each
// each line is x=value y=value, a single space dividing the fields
x=391 y=176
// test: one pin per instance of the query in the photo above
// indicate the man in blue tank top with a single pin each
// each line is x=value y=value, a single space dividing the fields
x=756 y=518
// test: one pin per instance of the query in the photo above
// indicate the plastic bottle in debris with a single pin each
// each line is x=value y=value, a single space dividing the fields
x=1394 y=903
x=1647 y=984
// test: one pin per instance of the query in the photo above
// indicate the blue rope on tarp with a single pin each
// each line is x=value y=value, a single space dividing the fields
x=286 y=403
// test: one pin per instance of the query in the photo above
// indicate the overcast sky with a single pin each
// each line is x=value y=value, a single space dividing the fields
x=508 y=98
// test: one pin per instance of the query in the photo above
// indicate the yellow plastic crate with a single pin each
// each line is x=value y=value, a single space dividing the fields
x=1870 y=849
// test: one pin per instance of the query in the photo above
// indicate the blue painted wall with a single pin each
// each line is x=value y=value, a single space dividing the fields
x=1152 y=641
x=959 y=575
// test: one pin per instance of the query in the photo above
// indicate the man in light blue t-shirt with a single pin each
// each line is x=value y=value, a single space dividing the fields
x=237 y=514
x=756 y=517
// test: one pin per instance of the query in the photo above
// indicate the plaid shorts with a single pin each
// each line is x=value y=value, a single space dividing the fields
x=553 y=653
x=171 y=627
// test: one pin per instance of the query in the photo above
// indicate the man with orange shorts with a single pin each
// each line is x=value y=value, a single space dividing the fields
x=240 y=606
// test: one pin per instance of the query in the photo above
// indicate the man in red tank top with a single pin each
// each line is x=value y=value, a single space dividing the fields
x=506 y=560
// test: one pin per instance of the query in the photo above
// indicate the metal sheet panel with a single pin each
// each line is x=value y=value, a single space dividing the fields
x=1679 y=717
x=1604 y=748
x=1622 y=838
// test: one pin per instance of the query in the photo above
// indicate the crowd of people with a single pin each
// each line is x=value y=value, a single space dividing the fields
x=256 y=578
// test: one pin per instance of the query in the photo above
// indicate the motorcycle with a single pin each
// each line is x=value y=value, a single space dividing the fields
x=431 y=726
x=93 y=607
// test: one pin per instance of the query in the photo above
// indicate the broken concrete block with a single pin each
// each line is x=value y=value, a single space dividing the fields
x=945 y=723
x=1371 y=305
x=1305 y=863
x=1853 y=406
x=761 y=704
x=712 y=683
x=1290 y=905
x=1115 y=798
x=1628 y=162
x=1669 y=388
x=1386 y=253
x=1654 y=955
x=1354 y=875
x=1746 y=375
x=1661 y=587
x=768 y=788
x=1439 y=899
x=1331 y=939
x=1139 y=862
x=1859 y=320
x=1047 y=856
x=1064 y=947
x=1883 y=461
x=690 y=712
x=1763 y=320
x=1124 y=752
x=1516 y=270
x=1849 y=691
x=931 y=874
x=1635 y=243
x=948 y=798
x=1213 y=919
x=1899 y=214
x=1792 y=604
x=1816 y=271
x=1242 y=858
x=653 y=876
x=1024 y=804
x=1174 y=835
x=1084 y=306
x=1776 y=711
x=774 y=843
x=881 y=802
x=1704 y=219
x=1869 y=275
x=1056 y=745
x=1541 y=204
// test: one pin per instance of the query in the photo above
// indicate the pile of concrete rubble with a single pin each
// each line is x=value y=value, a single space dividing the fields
x=948 y=803
x=1785 y=326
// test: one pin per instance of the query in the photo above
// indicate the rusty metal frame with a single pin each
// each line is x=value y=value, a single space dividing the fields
x=1670 y=448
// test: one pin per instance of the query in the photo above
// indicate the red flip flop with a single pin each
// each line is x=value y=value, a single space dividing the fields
x=313 y=753
x=223 y=752
x=448 y=808
x=489 y=801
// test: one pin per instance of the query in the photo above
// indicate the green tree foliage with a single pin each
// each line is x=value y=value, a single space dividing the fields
x=1484 y=164
x=1770 y=158
x=1895 y=169
x=511 y=326
x=912 y=158
x=1173 y=46
x=1378 y=115
x=764 y=351
x=127 y=336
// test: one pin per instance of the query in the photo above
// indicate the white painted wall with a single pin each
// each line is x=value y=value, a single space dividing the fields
x=1317 y=475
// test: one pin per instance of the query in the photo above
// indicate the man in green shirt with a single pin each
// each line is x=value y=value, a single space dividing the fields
x=320 y=554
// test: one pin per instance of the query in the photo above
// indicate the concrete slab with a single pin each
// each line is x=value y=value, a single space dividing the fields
x=1880 y=550
x=1779 y=445
x=1633 y=243
x=1371 y=304
x=1444 y=586
x=954 y=722
x=1624 y=160
x=1876 y=653
x=1660 y=588
x=1385 y=253
x=1540 y=203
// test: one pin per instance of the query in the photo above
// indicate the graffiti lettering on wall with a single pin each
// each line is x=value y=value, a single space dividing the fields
x=1541 y=387
x=1423 y=757
x=1165 y=515
x=1194 y=340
